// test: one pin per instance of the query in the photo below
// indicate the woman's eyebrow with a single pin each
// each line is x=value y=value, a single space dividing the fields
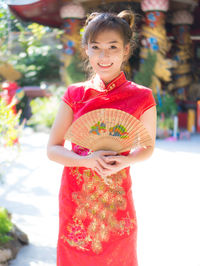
x=108 y=42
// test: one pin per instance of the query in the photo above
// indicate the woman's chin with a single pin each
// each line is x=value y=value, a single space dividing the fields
x=107 y=76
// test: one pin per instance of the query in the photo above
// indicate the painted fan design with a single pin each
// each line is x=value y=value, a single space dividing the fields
x=108 y=129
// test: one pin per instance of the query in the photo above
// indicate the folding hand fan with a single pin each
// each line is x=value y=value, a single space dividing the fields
x=108 y=129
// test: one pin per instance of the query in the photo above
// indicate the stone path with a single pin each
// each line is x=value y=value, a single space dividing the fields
x=165 y=190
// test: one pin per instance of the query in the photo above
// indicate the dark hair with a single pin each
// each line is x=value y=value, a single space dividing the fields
x=123 y=23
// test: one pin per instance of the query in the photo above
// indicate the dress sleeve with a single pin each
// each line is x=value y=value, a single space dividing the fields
x=73 y=95
x=67 y=98
x=149 y=101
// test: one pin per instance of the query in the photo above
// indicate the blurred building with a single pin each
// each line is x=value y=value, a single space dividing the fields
x=168 y=28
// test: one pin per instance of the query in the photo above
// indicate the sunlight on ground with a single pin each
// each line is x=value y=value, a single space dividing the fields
x=166 y=192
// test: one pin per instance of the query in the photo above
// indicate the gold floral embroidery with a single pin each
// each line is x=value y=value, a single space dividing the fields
x=77 y=235
x=126 y=225
x=97 y=203
x=75 y=172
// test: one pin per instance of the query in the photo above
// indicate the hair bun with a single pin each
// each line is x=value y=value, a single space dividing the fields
x=128 y=16
x=91 y=17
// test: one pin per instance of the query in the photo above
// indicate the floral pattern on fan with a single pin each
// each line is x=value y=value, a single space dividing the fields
x=98 y=128
x=118 y=131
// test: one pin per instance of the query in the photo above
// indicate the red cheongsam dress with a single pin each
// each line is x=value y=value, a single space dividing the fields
x=97 y=221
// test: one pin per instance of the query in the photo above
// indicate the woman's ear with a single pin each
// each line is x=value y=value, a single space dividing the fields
x=126 y=51
x=86 y=50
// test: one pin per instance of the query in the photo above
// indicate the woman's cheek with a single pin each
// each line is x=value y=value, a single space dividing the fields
x=91 y=52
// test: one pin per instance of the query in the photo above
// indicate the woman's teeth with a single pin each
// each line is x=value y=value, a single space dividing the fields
x=105 y=65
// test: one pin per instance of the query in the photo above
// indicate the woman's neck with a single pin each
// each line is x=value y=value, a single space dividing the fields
x=109 y=79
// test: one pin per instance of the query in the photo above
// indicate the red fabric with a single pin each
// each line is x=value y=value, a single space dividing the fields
x=10 y=89
x=98 y=223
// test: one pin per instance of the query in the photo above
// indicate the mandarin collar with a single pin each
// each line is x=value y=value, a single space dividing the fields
x=98 y=84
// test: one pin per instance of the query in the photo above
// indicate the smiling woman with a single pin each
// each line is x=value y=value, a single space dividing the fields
x=98 y=224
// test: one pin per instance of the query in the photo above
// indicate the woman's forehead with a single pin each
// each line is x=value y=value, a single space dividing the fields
x=106 y=36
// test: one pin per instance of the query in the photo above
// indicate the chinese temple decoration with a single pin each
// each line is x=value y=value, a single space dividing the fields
x=152 y=5
x=72 y=15
x=183 y=54
x=154 y=40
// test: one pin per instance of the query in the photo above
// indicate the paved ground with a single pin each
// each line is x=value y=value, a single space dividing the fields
x=166 y=190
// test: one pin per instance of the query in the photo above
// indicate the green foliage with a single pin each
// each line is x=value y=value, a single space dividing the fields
x=3 y=31
x=144 y=76
x=44 y=111
x=168 y=106
x=167 y=123
x=9 y=124
x=36 y=61
x=5 y=226
x=37 y=65
x=8 y=23
x=74 y=70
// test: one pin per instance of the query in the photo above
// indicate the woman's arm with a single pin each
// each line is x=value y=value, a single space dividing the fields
x=55 y=148
x=149 y=119
x=58 y=153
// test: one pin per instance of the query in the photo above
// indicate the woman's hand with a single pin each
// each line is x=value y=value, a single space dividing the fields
x=116 y=163
x=106 y=163
x=97 y=161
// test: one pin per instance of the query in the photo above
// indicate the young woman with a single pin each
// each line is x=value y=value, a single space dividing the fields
x=97 y=220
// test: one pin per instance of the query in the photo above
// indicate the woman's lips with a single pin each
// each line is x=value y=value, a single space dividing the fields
x=105 y=65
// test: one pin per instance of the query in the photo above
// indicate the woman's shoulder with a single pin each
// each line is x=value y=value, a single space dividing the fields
x=143 y=95
x=76 y=86
x=138 y=88
x=74 y=93
x=76 y=90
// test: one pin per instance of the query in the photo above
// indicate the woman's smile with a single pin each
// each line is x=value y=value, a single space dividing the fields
x=105 y=66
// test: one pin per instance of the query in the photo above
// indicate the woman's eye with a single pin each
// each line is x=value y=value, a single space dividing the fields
x=95 y=47
x=113 y=47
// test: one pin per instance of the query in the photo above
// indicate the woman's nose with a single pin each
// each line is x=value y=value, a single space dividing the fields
x=104 y=53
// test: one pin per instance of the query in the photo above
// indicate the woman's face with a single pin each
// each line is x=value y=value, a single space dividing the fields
x=106 y=54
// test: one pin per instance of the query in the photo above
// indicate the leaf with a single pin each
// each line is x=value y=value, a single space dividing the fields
x=5 y=226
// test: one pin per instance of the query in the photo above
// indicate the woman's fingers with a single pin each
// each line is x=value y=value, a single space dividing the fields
x=98 y=170
x=110 y=159
x=104 y=164
x=102 y=171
